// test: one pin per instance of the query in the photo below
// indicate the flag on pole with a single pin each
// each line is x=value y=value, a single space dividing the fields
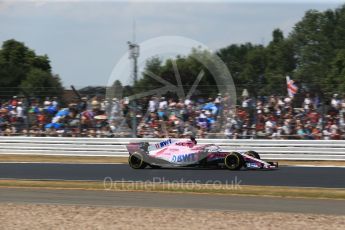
x=291 y=87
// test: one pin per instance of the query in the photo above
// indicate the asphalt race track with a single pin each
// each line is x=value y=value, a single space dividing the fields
x=166 y=200
x=327 y=177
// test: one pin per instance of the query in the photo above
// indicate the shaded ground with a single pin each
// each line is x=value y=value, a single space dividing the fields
x=171 y=200
x=34 y=216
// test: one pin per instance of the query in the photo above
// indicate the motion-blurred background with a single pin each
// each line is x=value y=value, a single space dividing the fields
x=49 y=46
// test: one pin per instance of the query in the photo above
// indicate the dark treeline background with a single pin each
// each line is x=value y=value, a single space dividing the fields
x=24 y=73
x=313 y=55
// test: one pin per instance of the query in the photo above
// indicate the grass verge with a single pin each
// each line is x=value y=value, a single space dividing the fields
x=276 y=191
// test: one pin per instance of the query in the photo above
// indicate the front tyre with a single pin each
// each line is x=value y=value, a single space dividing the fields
x=234 y=161
x=136 y=161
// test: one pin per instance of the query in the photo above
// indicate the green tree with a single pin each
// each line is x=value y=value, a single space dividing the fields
x=39 y=82
x=22 y=71
x=236 y=58
x=146 y=82
x=336 y=78
x=313 y=49
x=188 y=67
x=280 y=62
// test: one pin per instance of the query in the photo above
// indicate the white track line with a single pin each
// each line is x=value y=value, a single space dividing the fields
x=316 y=166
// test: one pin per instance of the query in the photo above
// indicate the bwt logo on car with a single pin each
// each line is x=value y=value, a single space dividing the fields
x=164 y=143
x=190 y=157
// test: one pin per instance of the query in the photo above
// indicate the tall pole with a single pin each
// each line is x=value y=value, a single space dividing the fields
x=135 y=69
x=133 y=55
x=79 y=109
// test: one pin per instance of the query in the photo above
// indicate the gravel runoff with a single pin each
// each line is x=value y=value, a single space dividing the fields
x=44 y=216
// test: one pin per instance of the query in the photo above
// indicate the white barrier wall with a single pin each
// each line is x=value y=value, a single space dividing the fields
x=268 y=149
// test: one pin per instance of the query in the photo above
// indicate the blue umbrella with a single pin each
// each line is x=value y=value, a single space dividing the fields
x=210 y=120
x=51 y=109
x=53 y=125
x=210 y=106
x=57 y=125
x=63 y=112
x=36 y=109
x=48 y=126
x=160 y=113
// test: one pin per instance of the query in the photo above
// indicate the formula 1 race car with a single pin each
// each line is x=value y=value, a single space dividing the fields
x=187 y=153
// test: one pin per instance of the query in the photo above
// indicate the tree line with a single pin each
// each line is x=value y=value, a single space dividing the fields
x=24 y=73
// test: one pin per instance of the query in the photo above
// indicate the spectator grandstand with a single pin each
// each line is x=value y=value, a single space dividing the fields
x=272 y=117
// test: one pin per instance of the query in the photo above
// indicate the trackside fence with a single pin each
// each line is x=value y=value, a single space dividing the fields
x=268 y=149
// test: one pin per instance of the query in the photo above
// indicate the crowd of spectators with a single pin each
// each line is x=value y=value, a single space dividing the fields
x=279 y=118
x=272 y=117
x=19 y=116
x=182 y=117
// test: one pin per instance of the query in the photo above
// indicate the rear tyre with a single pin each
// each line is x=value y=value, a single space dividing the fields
x=136 y=161
x=253 y=154
x=234 y=161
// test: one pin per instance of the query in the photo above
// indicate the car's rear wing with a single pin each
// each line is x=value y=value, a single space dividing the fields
x=145 y=146
x=133 y=147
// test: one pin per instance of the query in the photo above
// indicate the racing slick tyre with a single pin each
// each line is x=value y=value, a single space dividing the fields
x=136 y=161
x=234 y=161
x=253 y=154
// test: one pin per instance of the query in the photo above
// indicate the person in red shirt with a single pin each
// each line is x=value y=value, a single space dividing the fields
x=313 y=116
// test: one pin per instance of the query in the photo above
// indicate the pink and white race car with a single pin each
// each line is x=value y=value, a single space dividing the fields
x=187 y=153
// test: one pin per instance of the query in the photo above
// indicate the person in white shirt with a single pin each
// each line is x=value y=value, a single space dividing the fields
x=307 y=102
x=55 y=102
x=163 y=104
x=20 y=110
x=187 y=102
x=152 y=105
x=335 y=101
